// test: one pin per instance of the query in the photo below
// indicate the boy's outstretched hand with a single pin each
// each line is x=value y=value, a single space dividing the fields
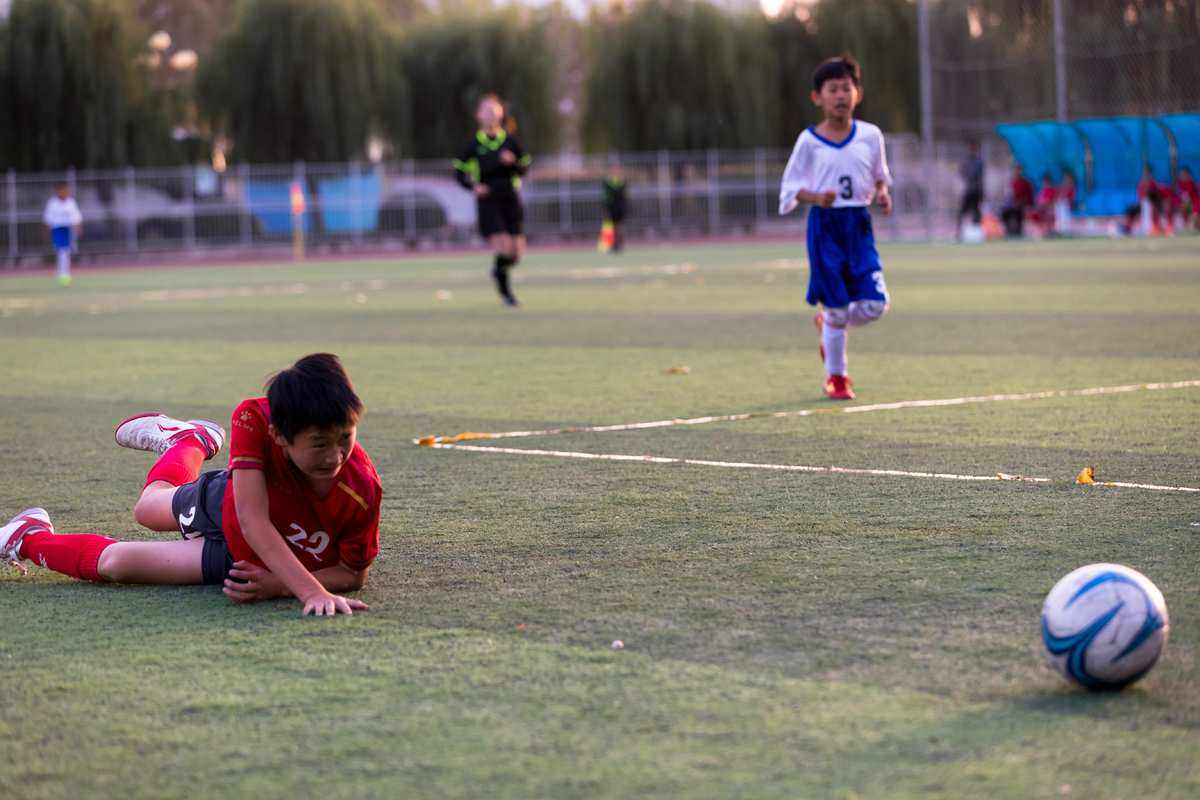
x=250 y=583
x=329 y=605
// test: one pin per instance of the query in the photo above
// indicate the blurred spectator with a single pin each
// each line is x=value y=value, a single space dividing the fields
x=971 y=173
x=1064 y=204
x=65 y=222
x=1188 y=197
x=1153 y=206
x=1042 y=214
x=1020 y=201
x=615 y=205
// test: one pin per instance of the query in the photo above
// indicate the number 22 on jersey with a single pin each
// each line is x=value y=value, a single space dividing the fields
x=314 y=542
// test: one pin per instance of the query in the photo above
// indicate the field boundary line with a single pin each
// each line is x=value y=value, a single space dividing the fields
x=1093 y=391
x=998 y=477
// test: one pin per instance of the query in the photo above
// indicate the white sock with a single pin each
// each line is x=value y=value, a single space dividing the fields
x=64 y=263
x=834 y=340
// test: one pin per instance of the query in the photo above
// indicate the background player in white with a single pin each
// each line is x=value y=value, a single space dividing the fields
x=839 y=167
x=63 y=219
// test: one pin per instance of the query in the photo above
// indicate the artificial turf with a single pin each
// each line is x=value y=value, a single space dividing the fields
x=786 y=634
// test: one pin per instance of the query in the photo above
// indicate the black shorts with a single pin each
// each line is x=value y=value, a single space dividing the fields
x=500 y=215
x=196 y=507
x=970 y=204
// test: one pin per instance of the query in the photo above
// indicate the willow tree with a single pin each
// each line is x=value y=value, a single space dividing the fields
x=679 y=74
x=297 y=79
x=450 y=61
x=73 y=89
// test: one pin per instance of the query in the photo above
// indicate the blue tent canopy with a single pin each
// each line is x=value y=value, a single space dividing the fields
x=1043 y=148
x=1106 y=155
x=1185 y=130
x=1116 y=165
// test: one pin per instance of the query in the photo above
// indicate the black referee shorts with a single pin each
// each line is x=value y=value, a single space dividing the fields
x=196 y=506
x=501 y=215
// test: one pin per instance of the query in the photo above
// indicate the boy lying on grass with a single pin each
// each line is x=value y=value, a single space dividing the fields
x=296 y=513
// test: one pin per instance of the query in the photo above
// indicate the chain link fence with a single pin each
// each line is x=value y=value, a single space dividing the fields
x=995 y=61
x=409 y=205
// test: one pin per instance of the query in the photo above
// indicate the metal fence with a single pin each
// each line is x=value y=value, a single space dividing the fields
x=418 y=204
x=995 y=61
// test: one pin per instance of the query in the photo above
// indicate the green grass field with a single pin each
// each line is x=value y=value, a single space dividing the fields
x=788 y=635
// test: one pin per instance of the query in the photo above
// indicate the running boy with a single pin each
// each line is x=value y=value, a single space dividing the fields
x=296 y=514
x=65 y=222
x=839 y=167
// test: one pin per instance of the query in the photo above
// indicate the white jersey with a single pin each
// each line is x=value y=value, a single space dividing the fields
x=62 y=213
x=850 y=168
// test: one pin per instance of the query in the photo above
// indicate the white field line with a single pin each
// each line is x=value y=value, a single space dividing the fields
x=888 y=473
x=1151 y=486
x=735 y=464
x=807 y=412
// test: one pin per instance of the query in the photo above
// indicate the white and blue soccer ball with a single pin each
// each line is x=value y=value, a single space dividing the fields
x=1104 y=626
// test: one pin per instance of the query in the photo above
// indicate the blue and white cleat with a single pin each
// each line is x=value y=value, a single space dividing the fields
x=31 y=520
x=156 y=433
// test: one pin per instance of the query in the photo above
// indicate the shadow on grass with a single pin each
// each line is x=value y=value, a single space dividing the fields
x=1077 y=702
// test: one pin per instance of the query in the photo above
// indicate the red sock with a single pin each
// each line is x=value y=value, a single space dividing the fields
x=180 y=464
x=74 y=554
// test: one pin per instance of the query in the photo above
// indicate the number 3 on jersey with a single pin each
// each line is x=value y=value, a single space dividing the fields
x=847 y=185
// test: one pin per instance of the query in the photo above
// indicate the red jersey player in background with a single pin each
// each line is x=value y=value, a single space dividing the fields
x=1158 y=197
x=1188 y=197
x=1020 y=200
x=1042 y=214
x=295 y=514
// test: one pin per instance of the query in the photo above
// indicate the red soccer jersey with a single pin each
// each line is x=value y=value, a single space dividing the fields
x=1022 y=192
x=342 y=527
x=1149 y=189
x=1186 y=188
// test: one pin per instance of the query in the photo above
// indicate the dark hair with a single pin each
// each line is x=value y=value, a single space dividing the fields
x=315 y=392
x=832 y=69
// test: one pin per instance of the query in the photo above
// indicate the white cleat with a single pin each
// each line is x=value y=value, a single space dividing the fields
x=155 y=433
x=31 y=520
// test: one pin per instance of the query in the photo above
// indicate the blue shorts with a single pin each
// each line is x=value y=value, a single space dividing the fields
x=61 y=237
x=843 y=264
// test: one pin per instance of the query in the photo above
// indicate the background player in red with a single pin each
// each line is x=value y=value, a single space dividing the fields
x=1188 y=197
x=1158 y=197
x=1020 y=200
x=296 y=513
x=1042 y=214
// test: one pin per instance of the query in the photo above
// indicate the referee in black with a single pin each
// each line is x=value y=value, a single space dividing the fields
x=491 y=166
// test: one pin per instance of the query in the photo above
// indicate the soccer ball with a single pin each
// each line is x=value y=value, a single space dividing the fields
x=1104 y=626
